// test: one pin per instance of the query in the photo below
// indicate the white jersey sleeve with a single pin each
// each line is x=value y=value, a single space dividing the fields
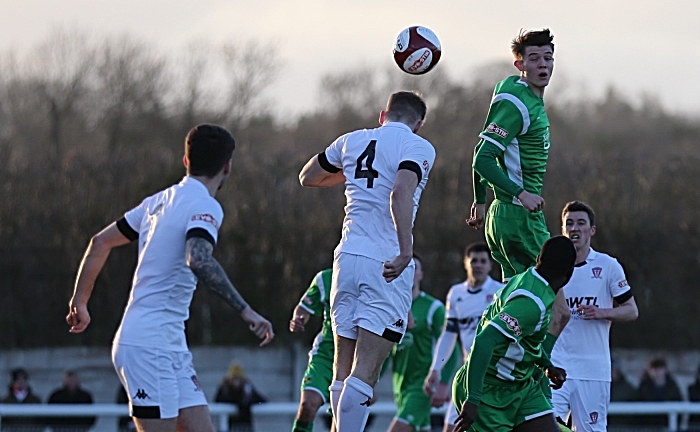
x=334 y=152
x=207 y=215
x=134 y=216
x=422 y=154
x=617 y=281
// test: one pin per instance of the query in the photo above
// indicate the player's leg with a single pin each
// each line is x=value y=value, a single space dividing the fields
x=310 y=402
x=155 y=425
x=589 y=405
x=344 y=297
x=193 y=412
x=535 y=412
x=561 y=400
x=450 y=418
x=413 y=414
x=315 y=384
x=543 y=423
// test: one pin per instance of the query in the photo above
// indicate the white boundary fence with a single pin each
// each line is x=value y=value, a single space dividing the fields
x=274 y=410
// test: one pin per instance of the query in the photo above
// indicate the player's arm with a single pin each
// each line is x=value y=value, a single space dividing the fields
x=625 y=311
x=199 y=259
x=319 y=172
x=478 y=210
x=300 y=317
x=309 y=304
x=94 y=259
x=401 y=207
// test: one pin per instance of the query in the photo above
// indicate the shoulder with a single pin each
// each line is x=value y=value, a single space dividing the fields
x=512 y=85
x=455 y=290
x=492 y=284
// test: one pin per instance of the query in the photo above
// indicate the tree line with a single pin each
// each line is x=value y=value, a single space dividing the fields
x=89 y=126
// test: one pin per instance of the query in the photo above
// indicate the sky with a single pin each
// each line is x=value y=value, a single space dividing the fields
x=645 y=48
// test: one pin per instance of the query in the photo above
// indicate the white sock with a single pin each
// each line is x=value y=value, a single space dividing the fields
x=335 y=388
x=354 y=405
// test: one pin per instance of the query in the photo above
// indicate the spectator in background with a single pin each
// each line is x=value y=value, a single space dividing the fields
x=620 y=391
x=20 y=393
x=657 y=385
x=126 y=423
x=238 y=390
x=70 y=393
x=694 y=396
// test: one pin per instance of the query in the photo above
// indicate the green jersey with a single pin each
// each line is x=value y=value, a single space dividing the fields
x=512 y=153
x=413 y=357
x=317 y=300
x=522 y=311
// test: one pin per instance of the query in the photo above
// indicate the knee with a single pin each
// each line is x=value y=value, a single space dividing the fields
x=309 y=408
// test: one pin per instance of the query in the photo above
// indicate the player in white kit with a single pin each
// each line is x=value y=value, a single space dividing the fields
x=466 y=302
x=177 y=229
x=385 y=171
x=583 y=348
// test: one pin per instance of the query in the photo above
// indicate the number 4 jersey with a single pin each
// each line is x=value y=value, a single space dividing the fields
x=370 y=160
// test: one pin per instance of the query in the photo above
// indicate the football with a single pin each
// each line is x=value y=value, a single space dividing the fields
x=417 y=50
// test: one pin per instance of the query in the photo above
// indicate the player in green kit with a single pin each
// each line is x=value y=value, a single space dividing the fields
x=511 y=158
x=319 y=373
x=495 y=391
x=412 y=358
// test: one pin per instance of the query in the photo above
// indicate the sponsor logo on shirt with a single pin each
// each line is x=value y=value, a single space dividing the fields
x=597 y=272
x=426 y=166
x=512 y=323
x=496 y=129
x=489 y=297
x=623 y=283
x=206 y=217
x=307 y=301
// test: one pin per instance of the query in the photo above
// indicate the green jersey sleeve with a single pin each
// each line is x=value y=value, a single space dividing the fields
x=485 y=166
x=314 y=299
x=504 y=121
x=520 y=317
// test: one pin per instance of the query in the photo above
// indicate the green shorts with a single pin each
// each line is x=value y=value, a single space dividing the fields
x=319 y=372
x=413 y=408
x=515 y=236
x=503 y=405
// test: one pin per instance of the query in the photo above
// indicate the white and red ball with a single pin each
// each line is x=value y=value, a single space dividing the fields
x=417 y=50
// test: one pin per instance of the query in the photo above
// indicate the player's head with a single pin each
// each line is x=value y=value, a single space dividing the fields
x=71 y=380
x=556 y=261
x=578 y=223
x=418 y=275
x=657 y=370
x=405 y=107
x=19 y=379
x=477 y=262
x=208 y=151
x=534 y=56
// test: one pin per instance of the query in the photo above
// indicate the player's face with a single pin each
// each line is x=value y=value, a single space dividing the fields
x=478 y=265
x=537 y=65
x=577 y=227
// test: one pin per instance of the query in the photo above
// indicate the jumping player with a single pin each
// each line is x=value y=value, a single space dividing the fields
x=385 y=171
x=177 y=229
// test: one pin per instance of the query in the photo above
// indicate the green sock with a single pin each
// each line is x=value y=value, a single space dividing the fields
x=302 y=426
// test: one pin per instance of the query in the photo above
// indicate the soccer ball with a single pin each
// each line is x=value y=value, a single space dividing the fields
x=417 y=50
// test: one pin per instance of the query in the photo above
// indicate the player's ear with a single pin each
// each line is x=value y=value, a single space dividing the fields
x=382 y=117
x=592 y=230
x=185 y=162
x=419 y=124
x=519 y=64
x=227 y=167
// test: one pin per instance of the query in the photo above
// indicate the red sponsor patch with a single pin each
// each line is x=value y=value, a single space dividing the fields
x=512 y=323
x=496 y=129
x=206 y=217
x=622 y=284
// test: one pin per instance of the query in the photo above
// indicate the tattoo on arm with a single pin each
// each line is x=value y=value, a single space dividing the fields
x=210 y=273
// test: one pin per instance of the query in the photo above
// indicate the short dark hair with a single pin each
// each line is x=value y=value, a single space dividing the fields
x=406 y=106
x=477 y=247
x=573 y=206
x=530 y=38
x=208 y=147
x=557 y=258
x=657 y=362
x=18 y=373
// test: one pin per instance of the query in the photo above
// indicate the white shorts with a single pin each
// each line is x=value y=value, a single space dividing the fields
x=586 y=401
x=451 y=413
x=159 y=382
x=360 y=297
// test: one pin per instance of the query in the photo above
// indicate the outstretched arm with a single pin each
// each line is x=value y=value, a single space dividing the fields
x=318 y=172
x=208 y=270
x=94 y=259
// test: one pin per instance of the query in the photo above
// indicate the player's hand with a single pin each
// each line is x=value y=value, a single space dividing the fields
x=477 y=216
x=467 y=417
x=260 y=327
x=430 y=382
x=530 y=201
x=440 y=396
x=556 y=375
x=78 y=318
x=393 y=269
x=591 y=312
x=296 y=324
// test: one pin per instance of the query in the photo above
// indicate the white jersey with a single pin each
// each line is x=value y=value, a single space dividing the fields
x=583 y=348
x=370 y=160
x=465 y=306
x=163 y=285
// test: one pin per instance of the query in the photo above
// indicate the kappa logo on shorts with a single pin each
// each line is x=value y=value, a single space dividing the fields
x=512 y=323
x=398 y=323
x=141 y=394
x=367 y=403
x=197 y=387
x=597 y=272
x=496 y=129
x=594 y=417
